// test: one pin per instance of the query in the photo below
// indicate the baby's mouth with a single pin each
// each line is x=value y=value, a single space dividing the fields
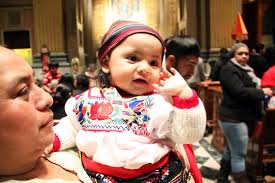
x=140 y=81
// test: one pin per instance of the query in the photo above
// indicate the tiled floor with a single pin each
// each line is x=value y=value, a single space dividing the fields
x=208 y=162
x=208 y=159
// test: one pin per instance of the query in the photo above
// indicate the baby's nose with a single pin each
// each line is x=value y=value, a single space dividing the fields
x=143 y=69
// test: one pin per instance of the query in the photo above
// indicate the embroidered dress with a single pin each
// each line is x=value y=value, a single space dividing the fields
x=130 y=138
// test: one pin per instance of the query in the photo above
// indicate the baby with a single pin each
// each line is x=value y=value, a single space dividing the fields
x=126 y=129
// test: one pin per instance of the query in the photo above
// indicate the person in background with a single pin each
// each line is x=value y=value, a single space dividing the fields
x=127 y=128
x=26 y=129
x=182 y=53
x=75 y=66
x=51 y=78
x=268 y=81
x=201 y=73
x=270 y=55
x=45 y=58
x=223 y=58
x=239 y=111
x=91 y=74
x=257 y=60
x=64 y=90
x=81 y=84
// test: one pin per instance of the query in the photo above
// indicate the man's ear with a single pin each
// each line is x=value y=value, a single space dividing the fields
x=105 y=65
x=170 y=61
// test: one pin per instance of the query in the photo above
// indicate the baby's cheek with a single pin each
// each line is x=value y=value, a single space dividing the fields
x=159 y=76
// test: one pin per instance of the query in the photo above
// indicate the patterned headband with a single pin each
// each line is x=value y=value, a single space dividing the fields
x=120 y=30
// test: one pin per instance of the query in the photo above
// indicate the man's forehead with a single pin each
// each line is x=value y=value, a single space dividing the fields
x=190 y=59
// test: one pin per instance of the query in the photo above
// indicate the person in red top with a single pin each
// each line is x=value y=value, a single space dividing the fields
x=51 y=78
x=268 y=79
x=45 y=58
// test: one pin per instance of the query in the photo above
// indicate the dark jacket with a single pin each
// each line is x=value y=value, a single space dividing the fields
x=215 y=72
x=241 y=98
x=259 y=64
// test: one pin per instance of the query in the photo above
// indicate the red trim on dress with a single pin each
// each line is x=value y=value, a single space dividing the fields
x=122 y=172
x=186 y=103
x=56 y=143
x=196 y=174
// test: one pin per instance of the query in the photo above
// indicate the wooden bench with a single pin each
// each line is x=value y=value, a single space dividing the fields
x=261 y=149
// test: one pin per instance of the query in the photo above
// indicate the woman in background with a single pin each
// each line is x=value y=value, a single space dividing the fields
x=239 y=111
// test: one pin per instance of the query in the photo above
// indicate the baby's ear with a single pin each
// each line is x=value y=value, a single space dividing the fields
x=105 y=65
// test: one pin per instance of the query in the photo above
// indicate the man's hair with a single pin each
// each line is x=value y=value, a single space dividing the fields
x=180 y=46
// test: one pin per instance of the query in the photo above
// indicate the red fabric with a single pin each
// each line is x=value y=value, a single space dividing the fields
x=45 y=60
x=186 y=103
x=122 y=172
x=268 y=79
x=258 y=130
x=196 y=174
x=56 y=143
x=119 y=31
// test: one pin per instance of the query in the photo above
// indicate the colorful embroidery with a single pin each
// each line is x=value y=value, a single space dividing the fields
x=100 y=110
x=111 y=112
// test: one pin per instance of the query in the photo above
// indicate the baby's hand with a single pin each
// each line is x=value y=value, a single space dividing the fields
x=48 y=150
x=173 y=84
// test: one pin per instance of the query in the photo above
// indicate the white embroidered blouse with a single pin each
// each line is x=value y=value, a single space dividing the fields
x=129 y=132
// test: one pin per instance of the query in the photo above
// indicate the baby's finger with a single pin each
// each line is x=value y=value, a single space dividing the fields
x=156 y=86
x=161 y=76
x=167 y=74
x=159 y=88
x=174 y=71
x=161 y=82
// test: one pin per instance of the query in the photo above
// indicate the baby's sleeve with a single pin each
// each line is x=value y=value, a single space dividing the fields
x=66 y=130
x=182 y=120
x=188 y=120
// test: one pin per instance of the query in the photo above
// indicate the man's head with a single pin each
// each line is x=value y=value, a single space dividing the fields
x=182 y=53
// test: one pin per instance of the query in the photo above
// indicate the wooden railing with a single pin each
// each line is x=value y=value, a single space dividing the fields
x=210 y=93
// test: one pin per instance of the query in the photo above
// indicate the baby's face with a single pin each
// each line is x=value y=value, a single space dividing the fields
x=135 y=64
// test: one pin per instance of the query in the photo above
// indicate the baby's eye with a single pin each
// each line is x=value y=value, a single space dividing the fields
x=133 y=58
x=154 y=63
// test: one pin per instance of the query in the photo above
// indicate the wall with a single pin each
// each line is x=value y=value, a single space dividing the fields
x=48 y=21
x=168 y=12
x=222 y=18
x=23 y=18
